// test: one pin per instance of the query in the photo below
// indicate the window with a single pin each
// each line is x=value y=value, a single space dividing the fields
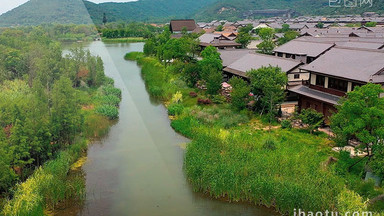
x=338 y=84
x=310 y=59
x=296 y=76
x=293 y=57
x=288 y=55
x=320 y=80
x=280 y=54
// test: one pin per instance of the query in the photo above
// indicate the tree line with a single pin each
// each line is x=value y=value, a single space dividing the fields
x=124 y=30
x=42 y=94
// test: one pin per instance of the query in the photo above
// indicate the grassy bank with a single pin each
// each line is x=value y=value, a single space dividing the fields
x=48 y=185
x=124 y=40
x=233 y=155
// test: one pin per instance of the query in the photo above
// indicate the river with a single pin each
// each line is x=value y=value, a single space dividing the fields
x=137 y=169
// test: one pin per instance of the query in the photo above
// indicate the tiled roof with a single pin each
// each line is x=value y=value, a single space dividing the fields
x=230 y=56
x=178 y=25
x=312 y=49
x=315 y=94
x=348 y=63
x=256 y=61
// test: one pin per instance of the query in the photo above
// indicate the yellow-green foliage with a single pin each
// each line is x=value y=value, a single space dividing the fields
x=177 y=97
x=349 y=201
x=47 y=186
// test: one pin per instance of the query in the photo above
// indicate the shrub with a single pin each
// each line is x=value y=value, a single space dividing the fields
x=286 y=124
x=110 y=90
x=111 y=100
x=47 y=186
x=109 y=81
x=213 y=82
x=175 y=109
x=177 y=97
x=312 y=118
x=202 y=101
x=193 y=94
x=349 y=201
x=218 y=99
x=109 y=111
x=133 y=56
x=240 y=93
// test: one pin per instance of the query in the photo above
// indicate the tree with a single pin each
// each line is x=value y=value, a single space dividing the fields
x=361 y=116
x=66 y=118
x=174 y=49
x=150 y=47
x=105 y=19
x=213 y=80
x=7 y=175
x=211 y=60
x=285 y=27
x=191 y=74
x=320 y=25
x=267 y=46
x=267 y=84
x=312 y=118
x=266 y=33
x=246 y=29
x=244 y=38
x=211 y=66
x=288 y=36
x=240 y=93
x=371 y=24
x=219 y=28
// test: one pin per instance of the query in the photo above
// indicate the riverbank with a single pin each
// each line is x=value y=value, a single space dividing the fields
x=124 y=40
x=58 y=181
x=233 y=156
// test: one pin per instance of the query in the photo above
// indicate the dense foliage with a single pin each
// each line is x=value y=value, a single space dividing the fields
x=267 y=84
x=234 y=158
x=240 y=93
x=312 y=118
x=361 y=116
x=267 y=45
x=123 y=30
x=48 y=107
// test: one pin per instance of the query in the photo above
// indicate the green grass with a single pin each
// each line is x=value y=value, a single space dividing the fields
x=124 y=40
x=133 y=56
x=233 y=156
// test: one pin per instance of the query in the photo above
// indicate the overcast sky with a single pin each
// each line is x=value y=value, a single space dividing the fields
x=6 y=5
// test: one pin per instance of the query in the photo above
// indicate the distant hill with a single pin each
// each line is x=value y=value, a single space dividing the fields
x=147 y=10
x=235 y=9
x=36 y=12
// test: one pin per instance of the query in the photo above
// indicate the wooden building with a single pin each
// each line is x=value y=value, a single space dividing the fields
x=336 y=73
